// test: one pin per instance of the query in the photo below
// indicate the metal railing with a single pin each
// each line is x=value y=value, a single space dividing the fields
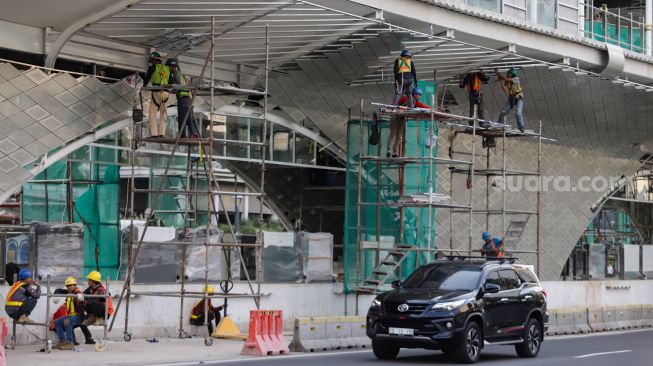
x=619 y=27
x=624 y=29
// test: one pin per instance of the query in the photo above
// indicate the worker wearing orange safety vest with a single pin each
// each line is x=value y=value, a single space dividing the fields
x=159 y=75
x=22 y=297
x=492 y=247
x=197 y=314
x=405 y=75
x=472 y=82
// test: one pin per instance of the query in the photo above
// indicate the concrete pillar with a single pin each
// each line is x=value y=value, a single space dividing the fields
x=649 y=26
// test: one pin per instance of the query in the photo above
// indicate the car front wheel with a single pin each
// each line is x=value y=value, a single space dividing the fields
x=384 y=351
x=469 y=350
x=533 y=337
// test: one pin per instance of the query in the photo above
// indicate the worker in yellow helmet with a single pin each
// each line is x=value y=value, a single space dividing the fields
x=73 y=318
x=94 y=306
x=197 y=314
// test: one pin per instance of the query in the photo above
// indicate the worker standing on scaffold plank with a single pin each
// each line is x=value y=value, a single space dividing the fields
x=472 y=81
x=512 y=86
x=159 y=74
x=405 y=76
x=398 y=123
x=184 y=102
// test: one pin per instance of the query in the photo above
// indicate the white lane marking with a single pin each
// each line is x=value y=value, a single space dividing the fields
x=270 y=358
x=603 y=353
x=598 y=334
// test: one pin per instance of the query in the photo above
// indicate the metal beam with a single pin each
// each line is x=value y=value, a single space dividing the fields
x=64 y=37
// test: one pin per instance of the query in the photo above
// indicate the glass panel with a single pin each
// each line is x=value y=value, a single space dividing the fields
x=541 y=12
x=281 y=143
x=237 y=130
x=304 y=149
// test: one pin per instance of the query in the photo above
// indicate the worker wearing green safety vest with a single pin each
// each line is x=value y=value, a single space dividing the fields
x=184 y=101
x=159 y=75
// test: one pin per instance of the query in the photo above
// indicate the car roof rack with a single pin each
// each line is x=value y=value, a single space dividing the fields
x=509 y=260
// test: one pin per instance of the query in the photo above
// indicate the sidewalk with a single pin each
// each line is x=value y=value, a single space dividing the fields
x=136 y=352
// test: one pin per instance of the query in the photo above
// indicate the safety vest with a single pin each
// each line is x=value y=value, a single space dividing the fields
x=476 y=82
x=405 y=65
x=12 y=290
x=70 y=306
x=195 y=314
x=183 y=81
x=514 y=89
x=161 y=75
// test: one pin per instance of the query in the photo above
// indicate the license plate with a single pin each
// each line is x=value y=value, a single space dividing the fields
x=401 y=331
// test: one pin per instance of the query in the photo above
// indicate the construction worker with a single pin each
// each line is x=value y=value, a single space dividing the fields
x=398 y=123
x=159 y=75
x=22 y=297
x=472 y=81
x=511 y=85
x=405 y=76
x=197 y=314
x=94 y=306
x=184 y=105
x=75 y=315
x=492 y=247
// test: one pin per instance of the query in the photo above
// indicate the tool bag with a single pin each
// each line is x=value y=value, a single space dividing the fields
x=137 y=113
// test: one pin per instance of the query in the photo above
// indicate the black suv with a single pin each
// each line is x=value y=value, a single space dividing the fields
x=460 y=306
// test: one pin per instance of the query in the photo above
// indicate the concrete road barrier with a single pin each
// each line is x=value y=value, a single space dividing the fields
x=320 y=334
x=647 y=316
x=595 y=320
x=610 y=318
x=634 y=316
x=580 y=320
x=568 y=321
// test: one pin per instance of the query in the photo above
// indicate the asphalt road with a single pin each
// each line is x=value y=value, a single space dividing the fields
x=631 y=348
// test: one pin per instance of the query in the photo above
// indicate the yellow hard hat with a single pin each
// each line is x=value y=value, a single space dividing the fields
x=70 y=281
x=95 y=276
x=208 y=290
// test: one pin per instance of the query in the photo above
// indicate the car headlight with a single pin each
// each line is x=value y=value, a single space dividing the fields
x=376 y=303
x=448 y=305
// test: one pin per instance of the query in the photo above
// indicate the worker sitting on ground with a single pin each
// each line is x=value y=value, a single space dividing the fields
x=492 y=247
x=512 y=86
x=95 y=307
x=74 y=316
x=184 y=103
x=159 y=75
x=197 y=314
x=22 y=297
x=398 y=123
x=472 y=81
x=405 y=75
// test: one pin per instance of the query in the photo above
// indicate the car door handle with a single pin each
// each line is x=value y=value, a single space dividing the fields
x=528 y=297
x=504 y=299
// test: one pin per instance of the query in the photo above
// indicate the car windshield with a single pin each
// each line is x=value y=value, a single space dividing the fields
x=445 y=277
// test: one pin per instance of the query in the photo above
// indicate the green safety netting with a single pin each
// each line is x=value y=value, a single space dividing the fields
x=96 y=204
x=624 y=35
x=381 y=225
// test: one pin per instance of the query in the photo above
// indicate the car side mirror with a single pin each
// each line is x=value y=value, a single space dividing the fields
x=397 y=283
x=491 y=288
